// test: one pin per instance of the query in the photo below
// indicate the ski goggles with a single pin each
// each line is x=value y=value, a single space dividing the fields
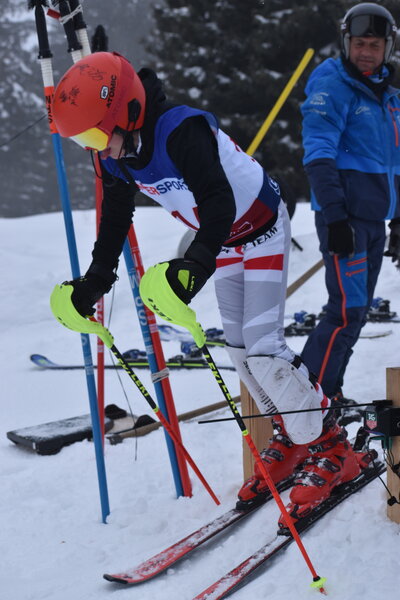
x=369 y=25
x=92 y=139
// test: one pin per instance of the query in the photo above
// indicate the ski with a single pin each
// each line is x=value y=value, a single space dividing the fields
x=214 y=336
x=379 y=312
x=372 y=335
x=244 y=572
x=304 y=323
x=169 y=333
x=176 y=362
x=296 y=329
x=170 y=556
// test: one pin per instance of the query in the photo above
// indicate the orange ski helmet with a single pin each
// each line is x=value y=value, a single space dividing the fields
x=97 y=94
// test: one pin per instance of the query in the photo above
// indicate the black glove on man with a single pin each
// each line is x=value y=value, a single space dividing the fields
x=341 y=238
x=88 y=290
x=394 y=242
x=187 y=275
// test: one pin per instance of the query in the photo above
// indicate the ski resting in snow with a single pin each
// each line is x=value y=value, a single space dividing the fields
x=243 y=572
x=177 y=362
x=171 y=555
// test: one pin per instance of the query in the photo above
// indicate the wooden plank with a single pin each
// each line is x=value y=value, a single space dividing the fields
x=187 y=416
x=303 y=278
x=259 y=429
x=393 y=481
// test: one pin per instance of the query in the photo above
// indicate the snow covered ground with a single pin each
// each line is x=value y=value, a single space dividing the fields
x=53 y=544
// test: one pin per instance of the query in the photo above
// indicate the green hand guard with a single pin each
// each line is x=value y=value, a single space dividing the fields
x=158 y=296
x=65 y=312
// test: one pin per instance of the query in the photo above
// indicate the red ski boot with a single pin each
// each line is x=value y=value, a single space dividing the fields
x=281 y=459
x=331 y=461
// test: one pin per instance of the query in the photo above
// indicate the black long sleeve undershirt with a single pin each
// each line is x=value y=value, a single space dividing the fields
x=116 y=218
x=193 y=148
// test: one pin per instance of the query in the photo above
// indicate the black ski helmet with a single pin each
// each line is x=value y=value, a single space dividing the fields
x=368 y=20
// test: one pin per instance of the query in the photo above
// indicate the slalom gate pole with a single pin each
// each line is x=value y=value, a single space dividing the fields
x=150 y=334
x=71 y=17
x=281 y=100
x=100 y=315
x=45 y=58
x=82 y=37
x=157 y=364
x=99 y=42
x=318 y=582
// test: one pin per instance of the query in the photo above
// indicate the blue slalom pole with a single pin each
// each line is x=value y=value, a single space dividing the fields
x=87 y=354
x=45 y=58
x=133 y=278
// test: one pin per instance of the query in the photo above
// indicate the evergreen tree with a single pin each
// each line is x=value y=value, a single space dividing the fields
x=27 y=167
x=234 y=58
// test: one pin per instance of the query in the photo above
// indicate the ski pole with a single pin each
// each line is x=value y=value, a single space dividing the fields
x=70 y=16
x=318 y=582
x=65 y=312
x=80 y=27
x=45 y=58
x=160 y=298
x=66 y=19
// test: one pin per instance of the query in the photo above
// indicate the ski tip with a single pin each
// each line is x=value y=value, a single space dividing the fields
x=114 y=578
x=41 y=361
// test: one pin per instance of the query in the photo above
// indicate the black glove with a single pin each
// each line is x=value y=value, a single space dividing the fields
x=87 y=291
x=187 y=275
x=341 y=238
x=186 y=278
x=394 y=242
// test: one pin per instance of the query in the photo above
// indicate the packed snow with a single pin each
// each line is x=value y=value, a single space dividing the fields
x=53 y=542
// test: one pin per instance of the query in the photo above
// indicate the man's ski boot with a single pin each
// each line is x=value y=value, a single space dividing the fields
x=379 y=311
x=191 y=350
x=350 y=412
x=281 y=459
x=331 y=462
x=303 y=324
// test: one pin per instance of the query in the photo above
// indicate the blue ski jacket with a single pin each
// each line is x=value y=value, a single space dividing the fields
x=351 y=146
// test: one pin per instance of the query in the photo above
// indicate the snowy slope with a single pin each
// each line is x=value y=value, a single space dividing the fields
x=53 y=544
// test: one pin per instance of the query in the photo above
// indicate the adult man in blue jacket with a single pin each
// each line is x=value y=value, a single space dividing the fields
x=351 y=138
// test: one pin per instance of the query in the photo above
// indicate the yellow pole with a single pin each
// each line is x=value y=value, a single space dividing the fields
x=279 y=103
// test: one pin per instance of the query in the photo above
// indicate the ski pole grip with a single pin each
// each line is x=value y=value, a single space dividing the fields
x=41 y=28
x=74 y=44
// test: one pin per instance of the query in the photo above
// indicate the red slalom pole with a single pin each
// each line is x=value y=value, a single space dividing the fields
x=100 y=315
x=168 y=400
